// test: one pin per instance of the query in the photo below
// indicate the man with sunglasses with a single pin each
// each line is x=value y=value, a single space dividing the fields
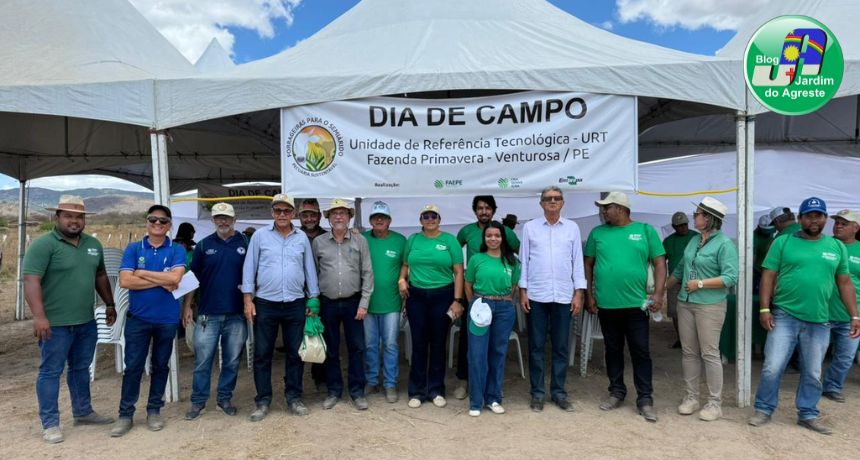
x=471 y=236
x=617 y=256
x=552 y=283
x=278 y=265
x=217 y=263
x=151 y=270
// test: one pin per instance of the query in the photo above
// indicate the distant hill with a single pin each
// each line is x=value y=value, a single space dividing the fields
x=100 y=200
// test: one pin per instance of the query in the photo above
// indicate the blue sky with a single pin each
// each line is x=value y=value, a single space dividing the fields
x=252 y=30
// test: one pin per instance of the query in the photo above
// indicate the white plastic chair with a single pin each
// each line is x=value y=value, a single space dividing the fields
x=590 y=332
x=112 y=334
x=516 y=338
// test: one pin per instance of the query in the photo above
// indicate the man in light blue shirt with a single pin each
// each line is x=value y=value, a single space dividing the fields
x=278 y=264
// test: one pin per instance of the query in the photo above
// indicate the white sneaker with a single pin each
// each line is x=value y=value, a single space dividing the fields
x=414 y=403
x=496 y=408
x=711 y=412
x=474 y=412
x=52 y=435
x=688 y=406
x=461 y=391
x=439 y=401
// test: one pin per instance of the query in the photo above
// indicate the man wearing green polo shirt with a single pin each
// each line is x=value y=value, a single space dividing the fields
x=800 y=272
x=617 y=256
x=61 y=269
x=471 y=236
x=674 y=245
x=382 y=323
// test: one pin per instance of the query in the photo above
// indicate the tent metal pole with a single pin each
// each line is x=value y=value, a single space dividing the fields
x=22 y=246
x=745 y=126
x=357 y=223
x=161 y=192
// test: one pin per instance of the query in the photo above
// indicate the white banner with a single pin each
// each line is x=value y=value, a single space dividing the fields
x=246 y=209
x=514 y=144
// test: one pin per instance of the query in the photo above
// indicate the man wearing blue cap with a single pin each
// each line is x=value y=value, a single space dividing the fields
x=382 y=323
x=799 y=274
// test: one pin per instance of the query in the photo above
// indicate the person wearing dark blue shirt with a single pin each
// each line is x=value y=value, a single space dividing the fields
x=151 y=270
x=217 y=263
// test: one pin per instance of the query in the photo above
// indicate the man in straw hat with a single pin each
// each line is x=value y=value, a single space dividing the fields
x=278 y=266
x=800 y=272
x=346 y=283
x=151 y=270
x=617 y=256
x=217 y=262
x=61 y=269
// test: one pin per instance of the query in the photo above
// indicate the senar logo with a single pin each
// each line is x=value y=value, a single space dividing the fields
x=794 y=65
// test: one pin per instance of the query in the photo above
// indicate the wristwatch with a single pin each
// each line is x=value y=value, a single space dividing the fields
x=460 y=301
x=855 y=318
x=110 y=305
x=700 y=284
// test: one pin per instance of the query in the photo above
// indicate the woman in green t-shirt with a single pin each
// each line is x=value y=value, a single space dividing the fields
x=431 y=281
x=708 y=268
x=491 y=276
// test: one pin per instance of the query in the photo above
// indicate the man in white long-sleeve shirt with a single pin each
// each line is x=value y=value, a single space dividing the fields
x=551 y=292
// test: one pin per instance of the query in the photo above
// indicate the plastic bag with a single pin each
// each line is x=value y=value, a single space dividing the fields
x=312 y=349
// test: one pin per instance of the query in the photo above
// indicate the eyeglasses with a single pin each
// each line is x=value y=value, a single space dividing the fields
x=546 y=199
x=284 y=211
x=160 y=220
x=429 y=216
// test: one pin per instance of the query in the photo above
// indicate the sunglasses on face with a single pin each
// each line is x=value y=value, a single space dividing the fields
x=547 y=199
x=160 y=220
x=429 y=216
x=284 y=211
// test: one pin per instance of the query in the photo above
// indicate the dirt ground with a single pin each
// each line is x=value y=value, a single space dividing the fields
x=396 y=431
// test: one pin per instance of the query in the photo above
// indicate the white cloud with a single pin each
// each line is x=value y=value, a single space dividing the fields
x=191 y=25
x=606 y=25
x=689 y=14
x=85 y=181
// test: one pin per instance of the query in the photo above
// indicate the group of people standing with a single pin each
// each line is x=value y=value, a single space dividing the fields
x=362 y=282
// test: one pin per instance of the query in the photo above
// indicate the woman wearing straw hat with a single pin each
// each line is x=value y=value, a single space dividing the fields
x=709 y=267
x=431 y=281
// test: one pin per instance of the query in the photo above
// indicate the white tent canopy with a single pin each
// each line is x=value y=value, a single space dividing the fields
x=387 y=47
x=214 y=59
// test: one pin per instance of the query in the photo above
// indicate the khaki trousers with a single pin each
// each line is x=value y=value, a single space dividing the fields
x=699 y=327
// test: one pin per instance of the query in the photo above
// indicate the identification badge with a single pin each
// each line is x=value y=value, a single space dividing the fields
x=693 y=275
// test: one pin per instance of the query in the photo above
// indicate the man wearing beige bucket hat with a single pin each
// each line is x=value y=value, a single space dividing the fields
x=346 y=283
x=61 y=270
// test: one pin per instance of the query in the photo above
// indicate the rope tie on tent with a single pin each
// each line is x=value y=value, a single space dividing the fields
x=702 y=192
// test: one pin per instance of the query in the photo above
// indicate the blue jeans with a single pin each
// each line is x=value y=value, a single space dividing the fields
x=844 y=349
x=75 y=345
x=812 y=339
x=487 y=355
x=231 y=331
x=290 y=318
x=429 y=324
x=335 y=312
x=385 y=328
x=556 y=318
x=139 y=334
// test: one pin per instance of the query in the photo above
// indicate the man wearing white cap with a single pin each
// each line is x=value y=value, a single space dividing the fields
x=800 y=272
x=278 y=266
x=382 y=323
x=674 y=245
x=217 y=262
x=617 y=256
x=61 y=270
x=552 y=283
x=346 y=283
x=783 y=220
x=846 y=224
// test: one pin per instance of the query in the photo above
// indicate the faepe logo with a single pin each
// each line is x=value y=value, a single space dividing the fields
x=793 y=65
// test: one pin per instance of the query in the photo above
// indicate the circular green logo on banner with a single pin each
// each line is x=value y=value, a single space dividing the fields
x=793 y=65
